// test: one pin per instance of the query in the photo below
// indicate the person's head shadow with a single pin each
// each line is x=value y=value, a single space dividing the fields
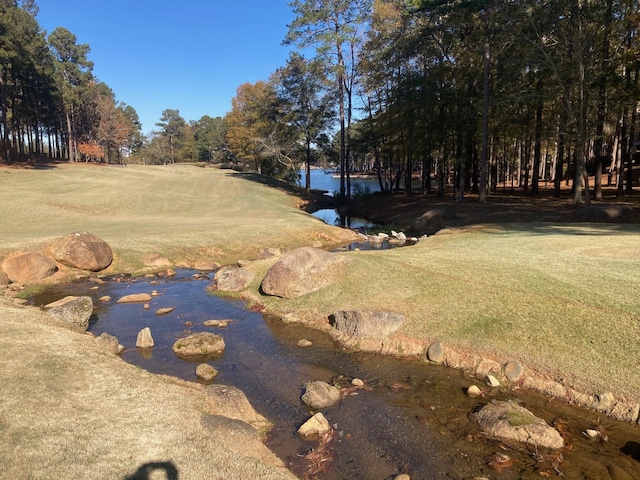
x=632 y=449
x=145 y=470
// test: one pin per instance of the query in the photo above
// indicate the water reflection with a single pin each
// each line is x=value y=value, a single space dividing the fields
x=332 y=217
x=414 y=418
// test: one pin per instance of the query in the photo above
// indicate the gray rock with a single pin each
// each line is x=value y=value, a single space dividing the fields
x=435 y=352
x=513 y=370
x=233 y=403
x=239 y=438
x=199 y=345
x=206 y=372
x=72 y=311
x=513 y=422
x=231 y=279
x=320 y=395
x=360 y=324
x=206 y=265
x=302 y=271
x=157 y=261
x=108 y=343
x=82 y=250
x=606 y=400
x=144 y=339
x=28 y=268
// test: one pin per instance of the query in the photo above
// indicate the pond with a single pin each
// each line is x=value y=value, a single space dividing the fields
x=412 y=418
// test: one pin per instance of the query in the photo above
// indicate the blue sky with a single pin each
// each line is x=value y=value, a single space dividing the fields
x=188 y=55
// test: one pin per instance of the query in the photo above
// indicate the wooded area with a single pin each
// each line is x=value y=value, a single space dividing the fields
x=476 y=95
x=483 y=94
x=50 y=102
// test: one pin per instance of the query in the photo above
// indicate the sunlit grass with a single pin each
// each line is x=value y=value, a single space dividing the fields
x=182 y=212
x=562 y=299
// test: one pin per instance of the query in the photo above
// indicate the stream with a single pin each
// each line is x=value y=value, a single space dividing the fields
x=412 y=417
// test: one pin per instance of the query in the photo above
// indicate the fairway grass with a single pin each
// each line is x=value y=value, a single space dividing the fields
x=183 y=212
x=562 y=299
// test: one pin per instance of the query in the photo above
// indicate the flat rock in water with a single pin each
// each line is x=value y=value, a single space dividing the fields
x=320 y=395
x=302 y=271
x=513 y=422
x=202 y=344
x=315 y=426
x=217 y=323
x=164 y=311
x=360 y=324
x=72 y=311
x=206 y=372
x=135 y=298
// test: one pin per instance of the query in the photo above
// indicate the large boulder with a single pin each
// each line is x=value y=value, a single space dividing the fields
x=513 y=422
x=362 y=324
x=232 y=279
x=199 y=346
x=82 y=250
x=301 y=271
x=74 y=312
x=28 y=268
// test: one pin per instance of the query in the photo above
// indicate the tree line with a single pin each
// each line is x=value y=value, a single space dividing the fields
x=480 y=94
x=474 y=95
x=50 y=102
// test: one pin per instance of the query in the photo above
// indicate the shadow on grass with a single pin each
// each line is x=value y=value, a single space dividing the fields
x=578 y=229
x=147 y=470
x=313 y=200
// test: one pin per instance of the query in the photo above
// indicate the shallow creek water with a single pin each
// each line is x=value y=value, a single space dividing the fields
x=413 y=418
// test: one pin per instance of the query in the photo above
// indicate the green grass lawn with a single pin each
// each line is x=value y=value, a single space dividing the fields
x=561 y=298
x=182 y=212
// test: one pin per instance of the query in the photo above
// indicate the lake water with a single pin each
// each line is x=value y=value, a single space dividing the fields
x=327 y=181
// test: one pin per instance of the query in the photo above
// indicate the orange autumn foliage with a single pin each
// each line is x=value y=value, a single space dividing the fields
x=91 y=150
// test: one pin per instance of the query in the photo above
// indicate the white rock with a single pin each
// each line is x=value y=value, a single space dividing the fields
x=316 y=425
x=356 y=382
x=473 y=391
x=589 y=432
x=492 y=381
x=304 y=343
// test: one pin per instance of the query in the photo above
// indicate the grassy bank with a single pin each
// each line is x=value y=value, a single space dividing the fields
x=184 y=213
x=562 y=299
